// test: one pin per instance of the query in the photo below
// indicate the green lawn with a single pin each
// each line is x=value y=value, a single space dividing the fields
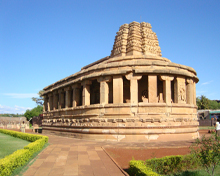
x=9 y=144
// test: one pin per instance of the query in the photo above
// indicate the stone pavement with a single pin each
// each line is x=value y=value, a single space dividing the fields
x=73 y=157
x=78 y=157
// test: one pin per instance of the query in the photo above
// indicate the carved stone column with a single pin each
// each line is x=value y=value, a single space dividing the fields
x=189 y=91
x=133 y=86
x=61 y=99
x=180 y=90
x=76 y=94
x=50 y=104
x=167 y=88
x=55 y=100
x=86 y=92
x=152 y=89
x=67 y=100
x=117 y=89
x=104 y=89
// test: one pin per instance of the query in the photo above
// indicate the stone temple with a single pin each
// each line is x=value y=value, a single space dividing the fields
x=134 y=94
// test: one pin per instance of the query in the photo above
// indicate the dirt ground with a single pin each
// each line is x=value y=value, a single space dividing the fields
x=122 y=155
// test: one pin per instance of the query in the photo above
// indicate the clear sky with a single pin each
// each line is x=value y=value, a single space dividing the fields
x=43 y=41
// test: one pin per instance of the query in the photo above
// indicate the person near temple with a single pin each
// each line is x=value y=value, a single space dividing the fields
x=23 y=127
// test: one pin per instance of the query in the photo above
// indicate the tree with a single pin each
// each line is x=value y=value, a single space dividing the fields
x=39 y=100
x=214 y=104
x=202 y=102
x=33 y=112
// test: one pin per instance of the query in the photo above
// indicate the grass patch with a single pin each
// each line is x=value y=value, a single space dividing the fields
x=10 y=144
x=20 y=157
x=21 y=170
x=206 y=127
x=198 y=172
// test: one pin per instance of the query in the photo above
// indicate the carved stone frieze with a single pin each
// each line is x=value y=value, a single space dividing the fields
x=181 y=92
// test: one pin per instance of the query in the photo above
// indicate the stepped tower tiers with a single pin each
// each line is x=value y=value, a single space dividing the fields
x=134 y=94
x=136 y=39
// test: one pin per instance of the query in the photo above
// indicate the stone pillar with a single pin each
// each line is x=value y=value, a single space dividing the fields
x=117 y=89
x=61 y=98
x=167 y=88
x=180 y=90
x=48 y=103
x=50 y=107
x=76 y=94
x=55 y=100
x=104 y=89
x=86 y=92
x=194 y=92
x=189 y=91
x=68 y=94
x=133 y=86
x=45 y=108
x=160 y=97
x=152 y=89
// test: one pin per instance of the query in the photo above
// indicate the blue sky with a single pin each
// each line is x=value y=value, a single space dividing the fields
x=43 y=41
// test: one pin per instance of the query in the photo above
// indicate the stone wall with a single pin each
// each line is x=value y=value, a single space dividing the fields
x=13 y=122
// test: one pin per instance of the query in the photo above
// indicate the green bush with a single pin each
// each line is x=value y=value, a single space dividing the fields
x=13 y=161
x=35 y=146
x=207 y=151
x=138 y=168
x=163 y=166
x=20 y=157
x=172 y=164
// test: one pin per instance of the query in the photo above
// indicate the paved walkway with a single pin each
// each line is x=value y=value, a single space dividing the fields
x=77 y=157
x=73 y=157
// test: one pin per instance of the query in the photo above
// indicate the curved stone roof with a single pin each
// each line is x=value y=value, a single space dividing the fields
x=136 y=49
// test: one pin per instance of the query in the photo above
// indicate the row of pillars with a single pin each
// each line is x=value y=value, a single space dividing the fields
x=184 y=91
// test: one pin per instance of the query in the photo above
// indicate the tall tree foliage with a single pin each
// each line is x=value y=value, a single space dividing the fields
x=33 y=112
x=204 y=103
x=214 y=105
x=39 y=100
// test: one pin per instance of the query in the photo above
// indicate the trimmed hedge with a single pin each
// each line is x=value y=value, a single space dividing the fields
x=20 y=157
x=164 y=166
x=138 y=168
x=25 y=136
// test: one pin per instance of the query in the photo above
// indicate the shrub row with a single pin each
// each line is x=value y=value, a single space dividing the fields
x=138 y=168
x=20 y=157
x=24 y=136
x=164 y=166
